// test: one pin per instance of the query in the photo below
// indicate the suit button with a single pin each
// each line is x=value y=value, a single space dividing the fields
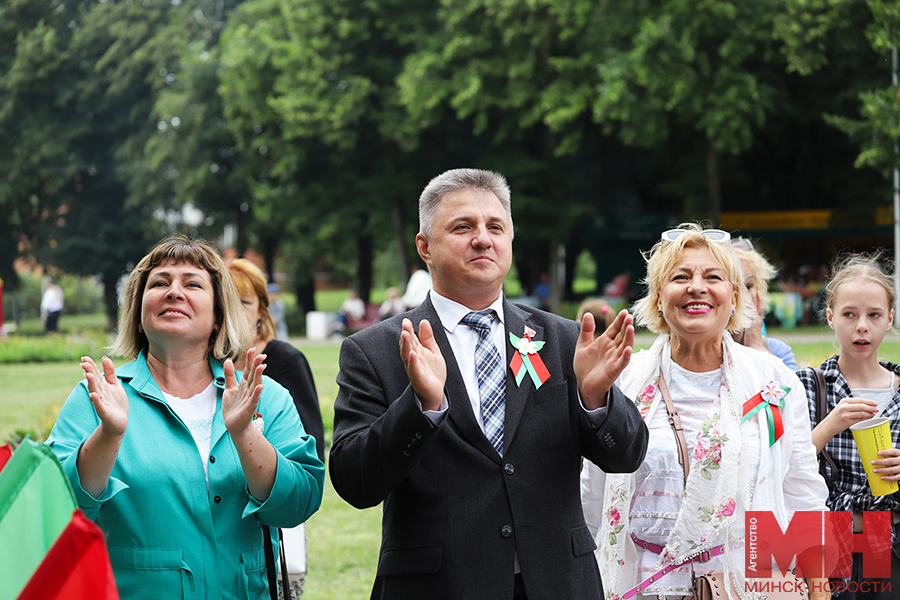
x=506 y=531
x=509 y=469
x=418 y=436
x=212 y=458
x=217 y=499
x=406 y=453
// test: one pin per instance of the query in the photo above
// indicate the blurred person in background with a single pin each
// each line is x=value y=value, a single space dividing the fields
x=758 y=272
x=51 y=306
x=352 y=309
x=602 y=312
x=178 y=457
x=543 y=292
x=284 y=363
x=417 y=287
x=392 y=305
x=277 y=311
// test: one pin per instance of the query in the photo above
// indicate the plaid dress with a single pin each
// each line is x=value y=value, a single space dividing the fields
x=850 y=491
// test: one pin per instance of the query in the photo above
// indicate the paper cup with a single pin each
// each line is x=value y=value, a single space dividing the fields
x=871 y=436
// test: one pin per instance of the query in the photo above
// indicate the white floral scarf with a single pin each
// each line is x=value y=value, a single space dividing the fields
x=718 y=489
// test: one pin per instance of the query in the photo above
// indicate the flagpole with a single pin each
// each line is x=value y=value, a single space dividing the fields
x=896 y=202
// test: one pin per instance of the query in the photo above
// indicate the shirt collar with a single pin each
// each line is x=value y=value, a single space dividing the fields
x=451 y=312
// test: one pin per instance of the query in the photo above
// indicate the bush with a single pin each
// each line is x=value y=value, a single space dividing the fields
x=53 y=348
x=41 y=430
x=82 y=295
x=293 y=316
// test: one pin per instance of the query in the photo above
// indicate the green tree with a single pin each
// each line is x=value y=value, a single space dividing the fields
x=324 y=115
x=36 y=158
x=503 y=69
x=707 y=66
x=818 y=35
x=878 y=131
x=189 y=152
x=75 y=90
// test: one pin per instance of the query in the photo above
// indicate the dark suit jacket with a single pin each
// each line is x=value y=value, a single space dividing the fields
x=455 y=512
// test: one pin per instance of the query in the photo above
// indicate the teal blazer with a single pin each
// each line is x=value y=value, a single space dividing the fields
x=168 y=535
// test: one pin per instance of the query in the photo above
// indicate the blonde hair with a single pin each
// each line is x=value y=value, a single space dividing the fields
x=249 y=279
x=861 y=267
x=760 y=269
x=230 y=335
x=663 y=257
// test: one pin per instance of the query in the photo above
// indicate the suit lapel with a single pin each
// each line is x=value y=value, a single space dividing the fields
x=516 y=395
x=455 y=388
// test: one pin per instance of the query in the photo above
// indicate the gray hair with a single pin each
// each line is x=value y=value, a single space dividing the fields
x=454 y=181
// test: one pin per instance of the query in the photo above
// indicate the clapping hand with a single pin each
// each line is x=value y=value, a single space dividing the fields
x=239 y=400
x=424 y=363
x=599 y=362
x=107 y=395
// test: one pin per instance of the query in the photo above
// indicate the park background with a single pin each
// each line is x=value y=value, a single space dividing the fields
x=300 y=133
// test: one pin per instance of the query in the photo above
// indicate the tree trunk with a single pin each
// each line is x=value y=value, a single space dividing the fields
x=364 y=270
x=306 y=295
x=397 y=218
x=241 y=219
x=111 y=301
x=714 y=179
x=572 y=252
x=269 y=249
x=557 y=274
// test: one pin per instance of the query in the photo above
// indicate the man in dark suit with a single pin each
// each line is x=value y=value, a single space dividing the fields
x=472 y=432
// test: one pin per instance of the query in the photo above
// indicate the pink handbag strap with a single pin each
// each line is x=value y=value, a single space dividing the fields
x=657 y=549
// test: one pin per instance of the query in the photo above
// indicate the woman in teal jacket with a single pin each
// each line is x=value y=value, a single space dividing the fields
x=177 y=457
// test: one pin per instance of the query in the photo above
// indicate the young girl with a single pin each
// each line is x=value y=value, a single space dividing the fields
x=859 y=298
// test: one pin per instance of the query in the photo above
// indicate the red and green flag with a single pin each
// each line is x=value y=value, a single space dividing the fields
x=48 y=549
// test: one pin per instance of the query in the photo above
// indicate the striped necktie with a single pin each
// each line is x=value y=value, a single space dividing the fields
x=491 y=377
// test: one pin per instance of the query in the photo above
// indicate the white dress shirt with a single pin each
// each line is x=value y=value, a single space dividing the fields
x=463 y=340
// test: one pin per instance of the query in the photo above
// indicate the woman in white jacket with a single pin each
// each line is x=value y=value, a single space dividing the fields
x=664 y=520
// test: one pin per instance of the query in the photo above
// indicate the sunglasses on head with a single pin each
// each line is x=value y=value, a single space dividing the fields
x=713 y=235
x=741 y=243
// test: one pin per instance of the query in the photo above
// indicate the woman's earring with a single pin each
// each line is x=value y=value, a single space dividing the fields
x=659 y=313
x=732 y=312
x=259 y=325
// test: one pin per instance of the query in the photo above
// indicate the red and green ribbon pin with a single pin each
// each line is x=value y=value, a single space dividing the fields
x=771 y=400
x=257 y=421
x=527 y=360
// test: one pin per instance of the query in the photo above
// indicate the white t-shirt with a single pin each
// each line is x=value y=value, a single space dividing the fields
x=197 y=414
x=52 y=301
x=882 y=396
